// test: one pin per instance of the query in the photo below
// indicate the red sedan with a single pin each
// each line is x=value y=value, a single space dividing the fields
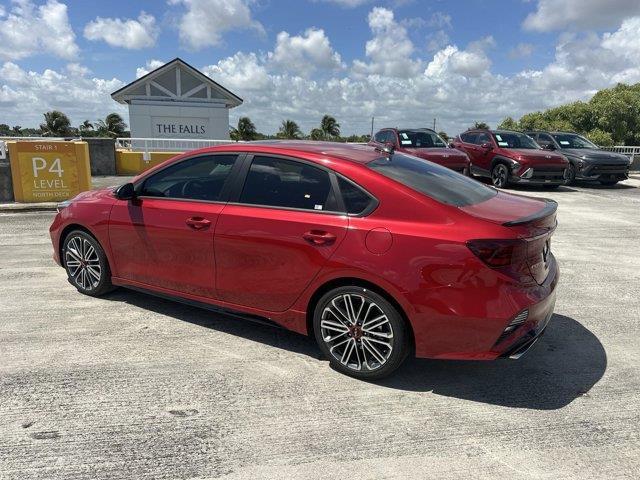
x=377 y=254
x=423 y=143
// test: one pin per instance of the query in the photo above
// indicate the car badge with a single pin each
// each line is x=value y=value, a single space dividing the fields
x=547 y=156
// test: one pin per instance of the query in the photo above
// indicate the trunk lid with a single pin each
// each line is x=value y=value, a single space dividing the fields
x=533 y=220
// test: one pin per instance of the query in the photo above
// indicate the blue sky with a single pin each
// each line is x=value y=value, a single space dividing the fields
x=402 y=61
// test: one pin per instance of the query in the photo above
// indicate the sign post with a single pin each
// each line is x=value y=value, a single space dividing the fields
x=49 y=171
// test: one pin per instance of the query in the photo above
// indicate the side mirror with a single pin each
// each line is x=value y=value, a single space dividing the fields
x=487 y=145
x=126 y=192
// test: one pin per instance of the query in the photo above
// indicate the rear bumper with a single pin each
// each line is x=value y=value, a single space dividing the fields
x=528 y=340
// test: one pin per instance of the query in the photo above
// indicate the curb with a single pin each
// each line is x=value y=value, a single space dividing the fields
x=28 y=207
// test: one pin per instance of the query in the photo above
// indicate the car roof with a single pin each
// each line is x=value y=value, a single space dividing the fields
x=354 y=152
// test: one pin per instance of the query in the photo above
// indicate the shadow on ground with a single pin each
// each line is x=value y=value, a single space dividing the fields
x=562 y=366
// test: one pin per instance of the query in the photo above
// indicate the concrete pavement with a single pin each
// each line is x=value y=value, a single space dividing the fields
x=131 y=386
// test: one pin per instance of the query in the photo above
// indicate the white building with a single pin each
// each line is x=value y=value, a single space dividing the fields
x=177 y=101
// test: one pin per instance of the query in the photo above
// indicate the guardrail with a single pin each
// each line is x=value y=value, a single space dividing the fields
x=147 y=145
x=628 y=150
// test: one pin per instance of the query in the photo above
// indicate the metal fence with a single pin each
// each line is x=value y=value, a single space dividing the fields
x=629 y=151
x=147 y=145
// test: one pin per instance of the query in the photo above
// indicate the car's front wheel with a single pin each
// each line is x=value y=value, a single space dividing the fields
x=361 y=333
x=571 y=174
x=500 y=175
x=86 y=264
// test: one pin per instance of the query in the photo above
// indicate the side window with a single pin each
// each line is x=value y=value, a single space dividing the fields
x=355 y=200
x=391 y=137
x=380 y=136
x=544 y=140
x=198 y=178
x=468 y=137
x=482 y=138
x=278 y=182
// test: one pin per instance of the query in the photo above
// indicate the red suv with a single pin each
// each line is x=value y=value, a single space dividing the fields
x=375 y=254
x=423 y=143
x=512 y=157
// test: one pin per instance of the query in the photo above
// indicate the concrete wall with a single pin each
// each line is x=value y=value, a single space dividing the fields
x=102 y=155
x=178 y=120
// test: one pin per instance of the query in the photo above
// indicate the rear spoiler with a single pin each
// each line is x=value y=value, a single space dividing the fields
x=549 y=209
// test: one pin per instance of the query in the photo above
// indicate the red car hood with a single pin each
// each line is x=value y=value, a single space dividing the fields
x=442 y=156
x=96 y=196
x=539 y=156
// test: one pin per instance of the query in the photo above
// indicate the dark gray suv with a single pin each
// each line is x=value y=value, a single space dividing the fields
x=586 y=160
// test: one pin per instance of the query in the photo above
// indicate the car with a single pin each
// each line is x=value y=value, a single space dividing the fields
x=423 y=143
x=508 y=157
x=587 y=161
x=376 y=254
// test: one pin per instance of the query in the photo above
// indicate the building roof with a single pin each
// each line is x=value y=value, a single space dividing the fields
x=176 y=81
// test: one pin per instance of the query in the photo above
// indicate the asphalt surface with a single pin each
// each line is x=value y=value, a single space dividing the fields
x=134 y=387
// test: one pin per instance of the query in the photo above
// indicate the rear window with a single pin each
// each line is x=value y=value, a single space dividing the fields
x=439 y=183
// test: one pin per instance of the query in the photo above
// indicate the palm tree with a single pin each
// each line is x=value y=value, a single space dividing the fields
x=112 y=126
x=481 y=126
x=246 y=129
x=56 y=124
x=85 y=126
x=330 y=127
x=317 y=134
x=289 y=129
x=17 y=130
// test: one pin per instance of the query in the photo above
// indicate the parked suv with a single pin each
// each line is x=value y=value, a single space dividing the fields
x=423 y=143
x=586 y=160
x=511 y=157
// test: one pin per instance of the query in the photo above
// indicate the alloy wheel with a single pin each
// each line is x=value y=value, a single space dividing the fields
x=357 y=332
x=83 y=263
x=499 y=175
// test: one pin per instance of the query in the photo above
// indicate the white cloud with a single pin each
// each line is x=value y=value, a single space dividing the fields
x=26 y=95
x=580 y=14
x=346 y=3
x=521 y=50
x=125 y=33
x=205 y=21
x=242 y=71
x=27 y=30
x=390 y=50
x=150 y=66
x=304 y=53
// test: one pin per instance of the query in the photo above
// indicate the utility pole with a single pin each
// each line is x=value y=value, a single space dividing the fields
x=434 y=124
x=372 y=127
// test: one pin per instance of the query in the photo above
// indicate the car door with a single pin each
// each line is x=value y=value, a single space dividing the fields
x=468 y=146
x=164 y=236
x=482 y=155
x=279 y=229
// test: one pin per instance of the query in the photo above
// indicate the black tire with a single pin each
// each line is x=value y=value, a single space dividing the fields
x=335 y=333
x=86 y=264
x=608 y=183
x=571 y=174
x=500 y=175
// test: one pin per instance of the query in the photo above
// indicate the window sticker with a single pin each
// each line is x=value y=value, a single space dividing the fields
x=499 y=138
x=404 y=135
x=405 y=142
x=317 y=207
x=503 y=144
x=564 y=142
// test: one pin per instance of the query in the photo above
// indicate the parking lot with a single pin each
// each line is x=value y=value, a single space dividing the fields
x=132 y=386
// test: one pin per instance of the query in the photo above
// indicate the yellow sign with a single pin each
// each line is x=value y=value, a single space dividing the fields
x=49 y=171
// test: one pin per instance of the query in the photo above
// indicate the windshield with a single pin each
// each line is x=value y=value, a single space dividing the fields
x=432 y=180
x=515 y=140
x=420 y=139
x=571 y=140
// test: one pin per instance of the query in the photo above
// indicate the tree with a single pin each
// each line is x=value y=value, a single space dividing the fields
x=289 y=129
x=444 y=135
x=112 y=126
x=508 y=124
x=17 y=130
x=600 y=138
x=85 y=127
x=246 y=130
x=481 y=125
x=330 y=127
x=317 y=134
x=56 y=124
x=5 y=130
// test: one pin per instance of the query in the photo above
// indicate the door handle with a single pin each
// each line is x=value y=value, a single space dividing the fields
x=319 y=237
x=198 y=223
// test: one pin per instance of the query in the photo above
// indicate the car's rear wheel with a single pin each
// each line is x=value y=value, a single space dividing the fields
x=571 y=174
x=500 y=175
x=361 y=333
x=86 y=264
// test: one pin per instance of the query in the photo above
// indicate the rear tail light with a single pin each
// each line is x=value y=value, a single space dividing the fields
x=506 y=256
